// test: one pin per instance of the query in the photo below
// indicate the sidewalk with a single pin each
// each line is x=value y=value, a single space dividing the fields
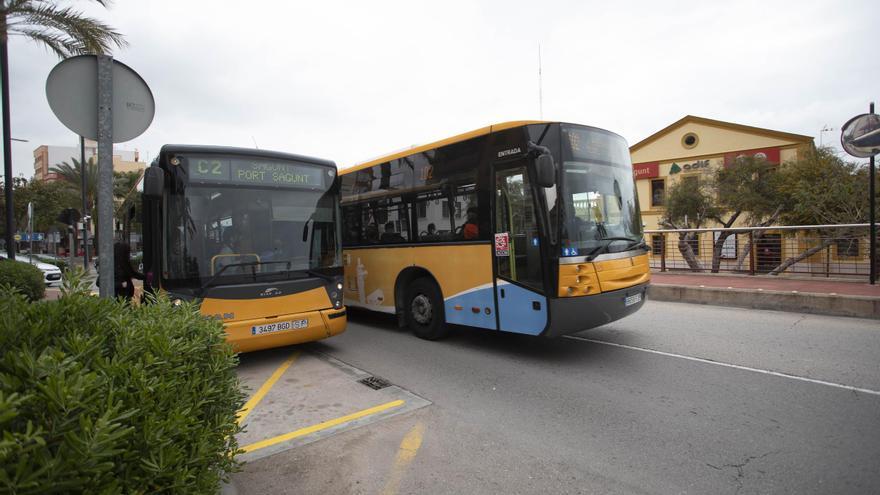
x=835 y=297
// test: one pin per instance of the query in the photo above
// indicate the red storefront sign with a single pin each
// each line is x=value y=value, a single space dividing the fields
x=769 y=154
x=646 y=170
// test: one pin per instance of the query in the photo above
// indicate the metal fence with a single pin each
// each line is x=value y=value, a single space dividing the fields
x=818 y=250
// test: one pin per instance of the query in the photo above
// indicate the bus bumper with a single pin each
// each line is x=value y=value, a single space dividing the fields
x=575 y=314
x=321 y=324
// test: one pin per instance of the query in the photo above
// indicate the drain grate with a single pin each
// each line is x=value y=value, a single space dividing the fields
x=374 y=382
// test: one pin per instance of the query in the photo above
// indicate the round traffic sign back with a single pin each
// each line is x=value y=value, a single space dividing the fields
x=72 y=90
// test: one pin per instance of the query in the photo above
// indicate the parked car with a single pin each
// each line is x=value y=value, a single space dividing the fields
x=51 y=273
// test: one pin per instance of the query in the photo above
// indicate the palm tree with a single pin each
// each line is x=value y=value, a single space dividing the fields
x=71 y=176
x=63 y=30
x=123 y=183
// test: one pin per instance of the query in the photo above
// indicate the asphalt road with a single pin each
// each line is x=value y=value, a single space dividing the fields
x=773 y=403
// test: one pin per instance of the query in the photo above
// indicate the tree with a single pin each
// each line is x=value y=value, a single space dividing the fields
x=71 y=177
x=745 y=189
x=689 y=204
x=65 y=31
x=749 y=186
x=822 y=189
x=123 y=183
x=48 y=198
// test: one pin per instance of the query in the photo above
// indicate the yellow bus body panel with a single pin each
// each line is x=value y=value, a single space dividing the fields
x=457 y=269
x=623 y=273
x=313 y=305
x=578 y=279
x=584 y=279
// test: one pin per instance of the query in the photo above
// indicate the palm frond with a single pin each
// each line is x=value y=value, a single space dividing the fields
x=64 y=30
x=61 y=45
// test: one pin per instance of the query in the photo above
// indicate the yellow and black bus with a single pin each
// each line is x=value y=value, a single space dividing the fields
x=253 y=234
x=528 y=227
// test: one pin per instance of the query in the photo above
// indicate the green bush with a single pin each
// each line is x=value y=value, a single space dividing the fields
x=25 y=277
x=97 y=396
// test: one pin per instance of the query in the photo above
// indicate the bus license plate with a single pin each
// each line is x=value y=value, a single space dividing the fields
x=279 y=326
x=633 y=299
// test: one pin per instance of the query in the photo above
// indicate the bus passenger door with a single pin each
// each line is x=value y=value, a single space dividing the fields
x=522 y=307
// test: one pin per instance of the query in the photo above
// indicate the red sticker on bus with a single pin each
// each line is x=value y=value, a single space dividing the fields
x=502 y=244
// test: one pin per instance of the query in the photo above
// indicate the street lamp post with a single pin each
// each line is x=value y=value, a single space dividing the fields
x=7 y=151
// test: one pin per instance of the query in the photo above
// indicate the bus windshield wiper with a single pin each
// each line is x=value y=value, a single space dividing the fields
x=251 y=264
x=598 y=249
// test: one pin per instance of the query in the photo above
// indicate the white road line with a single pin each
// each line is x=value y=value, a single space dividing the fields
x=728 y=365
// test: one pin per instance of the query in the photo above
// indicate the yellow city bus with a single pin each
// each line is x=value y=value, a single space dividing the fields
x=253 y=234
x=528 y=227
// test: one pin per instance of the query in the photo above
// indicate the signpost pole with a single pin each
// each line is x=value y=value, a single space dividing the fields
x=85 y=210
x=105 y=175
x=31 y=230
x=872 y=216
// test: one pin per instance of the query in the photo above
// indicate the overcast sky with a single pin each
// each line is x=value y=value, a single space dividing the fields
x=349 y=81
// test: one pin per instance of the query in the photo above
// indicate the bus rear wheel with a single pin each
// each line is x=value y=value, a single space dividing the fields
x=425 y=314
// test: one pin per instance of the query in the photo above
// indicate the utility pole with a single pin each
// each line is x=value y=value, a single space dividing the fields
x=7 y=144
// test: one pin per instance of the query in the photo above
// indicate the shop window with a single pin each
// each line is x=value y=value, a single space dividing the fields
x=658 y=192
x=847 y=248
x=728 y=250
x=657 y=244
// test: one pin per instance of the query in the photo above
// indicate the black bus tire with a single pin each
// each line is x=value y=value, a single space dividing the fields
x=424 y=310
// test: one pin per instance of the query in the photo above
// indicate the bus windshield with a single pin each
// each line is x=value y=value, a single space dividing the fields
x=598 y=196
x=223 y=232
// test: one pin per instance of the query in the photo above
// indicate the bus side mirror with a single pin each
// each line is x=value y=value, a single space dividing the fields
x=546 y=171
x=154 y=182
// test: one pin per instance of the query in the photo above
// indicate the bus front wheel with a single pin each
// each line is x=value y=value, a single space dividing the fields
x=425 y=314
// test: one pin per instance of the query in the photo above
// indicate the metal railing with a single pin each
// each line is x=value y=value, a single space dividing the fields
x=816 y=250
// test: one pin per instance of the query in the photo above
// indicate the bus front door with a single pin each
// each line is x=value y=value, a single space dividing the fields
x=522 y=307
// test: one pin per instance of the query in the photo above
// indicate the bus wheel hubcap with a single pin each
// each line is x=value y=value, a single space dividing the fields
x=421 y=309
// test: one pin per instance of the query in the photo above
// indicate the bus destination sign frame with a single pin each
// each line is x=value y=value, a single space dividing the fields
x=254 y=172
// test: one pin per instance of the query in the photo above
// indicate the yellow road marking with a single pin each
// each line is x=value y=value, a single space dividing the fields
x=264 y=389
x=321 y=426
x=409 y=447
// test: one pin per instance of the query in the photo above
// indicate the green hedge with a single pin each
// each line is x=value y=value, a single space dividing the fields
x=97 y=396
x=23 y=276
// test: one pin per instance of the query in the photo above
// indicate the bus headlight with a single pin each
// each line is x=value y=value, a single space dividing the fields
x=339 y=286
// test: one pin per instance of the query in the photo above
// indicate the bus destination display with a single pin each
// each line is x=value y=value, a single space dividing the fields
x=254 y=172
x=587 y=144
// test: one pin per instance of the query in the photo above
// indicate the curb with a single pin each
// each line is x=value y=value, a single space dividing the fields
x=798 y=302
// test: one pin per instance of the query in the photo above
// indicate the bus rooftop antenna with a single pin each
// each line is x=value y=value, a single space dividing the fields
x=540 y=87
